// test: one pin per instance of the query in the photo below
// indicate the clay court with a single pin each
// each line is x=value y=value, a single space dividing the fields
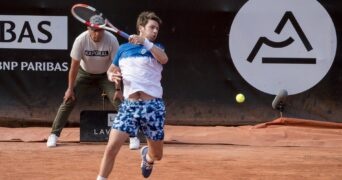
x=281 y=149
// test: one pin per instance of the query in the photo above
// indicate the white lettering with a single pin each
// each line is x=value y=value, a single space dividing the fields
x=39 y=66
x=14 y=64
x=23 y=65
x=50 y=66
x=30 y=67
x=97 y=132
x=65 y=66
x=33 y=66
x=44 y=66
x=8 y=66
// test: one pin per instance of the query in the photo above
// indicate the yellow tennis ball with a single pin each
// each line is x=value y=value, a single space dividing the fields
x=240 y=98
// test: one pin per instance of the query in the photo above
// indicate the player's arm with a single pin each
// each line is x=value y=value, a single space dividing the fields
x=114 y=75
x=157 y=52
x=69 y=93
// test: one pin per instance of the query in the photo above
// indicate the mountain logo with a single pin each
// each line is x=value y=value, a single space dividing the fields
x=282 y=44
x=288 y=16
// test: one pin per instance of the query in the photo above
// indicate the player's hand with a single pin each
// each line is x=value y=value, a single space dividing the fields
x=114 y=77
x=118 y=95
x=135 y=39
x=69 y=94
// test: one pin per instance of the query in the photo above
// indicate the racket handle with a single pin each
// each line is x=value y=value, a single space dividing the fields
x=123 y=34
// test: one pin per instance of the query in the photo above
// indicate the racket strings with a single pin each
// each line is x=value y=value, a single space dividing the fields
x=85 y=13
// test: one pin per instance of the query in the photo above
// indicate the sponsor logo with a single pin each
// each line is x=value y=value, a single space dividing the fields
x=282 y=44
x=96 y=53
x=46 y=66
x=33 y=32
x=111 y=117
x=105 y=131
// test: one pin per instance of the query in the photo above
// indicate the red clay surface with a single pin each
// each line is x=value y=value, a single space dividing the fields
x=278 y=150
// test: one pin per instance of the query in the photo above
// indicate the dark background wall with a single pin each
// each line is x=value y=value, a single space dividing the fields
x=200 y=81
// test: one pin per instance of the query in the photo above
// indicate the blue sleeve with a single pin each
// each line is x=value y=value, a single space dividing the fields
x=117 y=57
x=160 y=46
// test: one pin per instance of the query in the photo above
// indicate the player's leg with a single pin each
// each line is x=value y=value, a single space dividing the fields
x=109 y=89
x=124 y=125
x=116 y=139
x=152 y=124
x=155 y=150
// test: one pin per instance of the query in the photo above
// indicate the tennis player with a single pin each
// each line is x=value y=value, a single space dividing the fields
x=138 y=64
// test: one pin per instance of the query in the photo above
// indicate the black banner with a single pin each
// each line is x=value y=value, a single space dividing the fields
x=200 y=80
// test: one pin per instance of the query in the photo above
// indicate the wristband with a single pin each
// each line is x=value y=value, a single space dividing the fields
x=118 y=89
x=148 y=44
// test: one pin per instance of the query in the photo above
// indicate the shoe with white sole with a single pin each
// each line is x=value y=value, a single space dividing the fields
x=134 y=143
x=52 y=141
x=146 y=167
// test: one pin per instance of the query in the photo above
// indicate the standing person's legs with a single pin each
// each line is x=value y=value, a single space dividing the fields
x=82 y=84
x=62 y=115
x=109 y=88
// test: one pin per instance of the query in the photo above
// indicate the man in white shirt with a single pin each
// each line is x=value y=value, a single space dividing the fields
x=91 y=56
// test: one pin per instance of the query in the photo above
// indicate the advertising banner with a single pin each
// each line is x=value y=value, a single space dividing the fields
x=217 y=49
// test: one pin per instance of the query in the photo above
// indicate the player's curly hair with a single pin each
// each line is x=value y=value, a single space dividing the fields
x=145 y=16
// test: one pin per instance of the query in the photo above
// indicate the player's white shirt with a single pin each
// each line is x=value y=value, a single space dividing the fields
x=95 y=57
x=140 y=70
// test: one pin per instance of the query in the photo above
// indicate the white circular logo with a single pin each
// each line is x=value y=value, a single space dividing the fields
x=143 y=51
x=283 y=44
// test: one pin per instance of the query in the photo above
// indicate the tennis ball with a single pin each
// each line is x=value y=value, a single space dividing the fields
x=240 y=98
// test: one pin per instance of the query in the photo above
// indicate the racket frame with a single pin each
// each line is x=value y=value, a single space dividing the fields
x=106 y=26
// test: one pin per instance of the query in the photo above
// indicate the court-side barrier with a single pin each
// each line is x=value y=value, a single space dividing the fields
x=200 y=81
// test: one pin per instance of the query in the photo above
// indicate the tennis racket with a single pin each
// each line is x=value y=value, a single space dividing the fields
x=83 y=13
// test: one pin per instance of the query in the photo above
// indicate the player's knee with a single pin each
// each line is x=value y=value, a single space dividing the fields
x=111 y=151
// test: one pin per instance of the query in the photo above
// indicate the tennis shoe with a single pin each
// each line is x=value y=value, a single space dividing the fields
x=134 y=143
x=146 y=167
x=52 y=141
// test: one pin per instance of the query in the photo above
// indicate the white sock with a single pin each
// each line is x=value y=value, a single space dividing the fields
x=149 y=159
x=100 y=178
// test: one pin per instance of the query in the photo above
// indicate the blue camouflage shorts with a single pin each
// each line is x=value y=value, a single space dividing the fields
x=148 y=116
